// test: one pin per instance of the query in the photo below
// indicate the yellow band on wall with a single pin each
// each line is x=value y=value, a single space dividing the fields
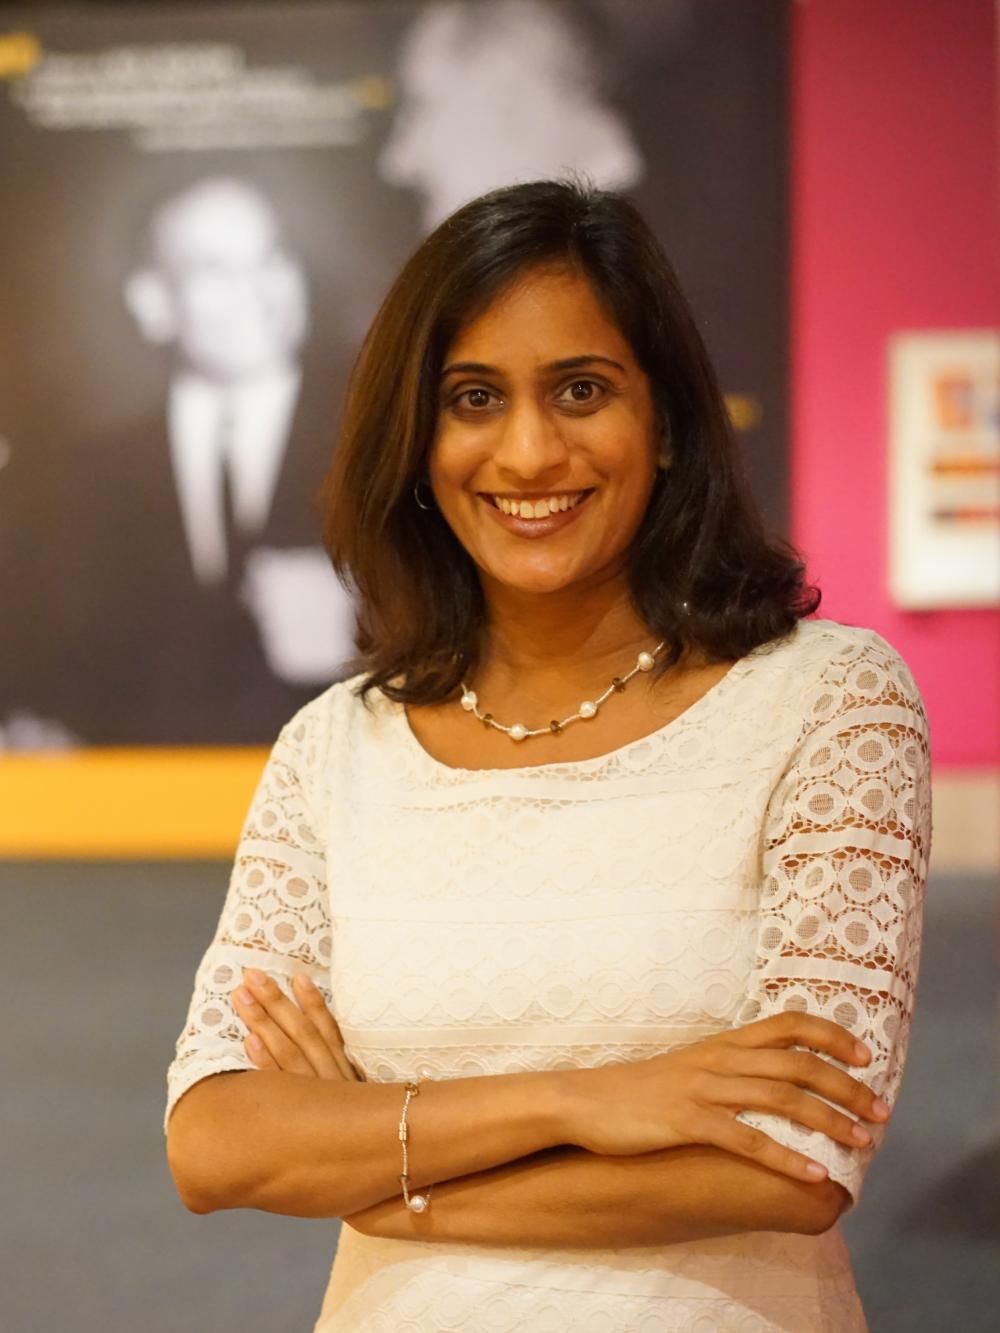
x=128 y=803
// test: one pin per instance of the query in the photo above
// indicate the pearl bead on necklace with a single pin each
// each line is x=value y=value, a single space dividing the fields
x=588 y=709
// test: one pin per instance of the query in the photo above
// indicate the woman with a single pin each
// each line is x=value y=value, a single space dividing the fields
x=609 y=854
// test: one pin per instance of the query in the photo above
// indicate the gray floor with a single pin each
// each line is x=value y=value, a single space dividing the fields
x=98 y=966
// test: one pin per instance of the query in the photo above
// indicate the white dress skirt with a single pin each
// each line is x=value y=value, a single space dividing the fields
x=766 y=850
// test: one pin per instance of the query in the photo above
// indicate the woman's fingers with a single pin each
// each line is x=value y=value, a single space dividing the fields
x=724 y=1131
x=279 y=1052
x=314 y=1007
x=793 y=1028
x=785 y=1099
x=802 y=1069
x=288 y=1034
x=259 y=1053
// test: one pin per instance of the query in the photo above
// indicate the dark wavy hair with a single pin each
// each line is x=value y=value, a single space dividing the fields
x=420 y=608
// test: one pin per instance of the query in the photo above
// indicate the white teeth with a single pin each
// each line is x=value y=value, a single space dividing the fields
x=554 y=504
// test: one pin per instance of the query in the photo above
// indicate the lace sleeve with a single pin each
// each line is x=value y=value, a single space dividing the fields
x=844 y=866
x=275 y=916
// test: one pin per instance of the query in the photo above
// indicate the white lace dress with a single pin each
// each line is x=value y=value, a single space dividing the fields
x=766 y=850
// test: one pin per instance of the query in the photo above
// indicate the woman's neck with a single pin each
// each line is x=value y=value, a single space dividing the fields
x=544 y=644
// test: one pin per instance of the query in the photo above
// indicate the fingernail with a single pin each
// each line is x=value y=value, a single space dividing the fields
x=859 y=1133
x=815 y=1170
x=880 y=1109
x=244 y=997
x=305 y=982
x=256 y=1044
x=861 y=1051
x=254 y=977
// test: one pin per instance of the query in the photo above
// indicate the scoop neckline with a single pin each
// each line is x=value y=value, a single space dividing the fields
x=553 y=767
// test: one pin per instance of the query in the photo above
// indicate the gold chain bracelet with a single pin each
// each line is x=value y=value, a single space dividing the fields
x=417 y=1203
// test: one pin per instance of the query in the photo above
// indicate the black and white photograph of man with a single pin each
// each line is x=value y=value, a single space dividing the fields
x=224 y=293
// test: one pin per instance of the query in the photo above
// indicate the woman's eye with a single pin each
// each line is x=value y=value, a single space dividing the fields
x=471 y=400
x=582 y=392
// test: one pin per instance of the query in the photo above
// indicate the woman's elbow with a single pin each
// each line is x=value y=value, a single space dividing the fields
x=189 y=1192
x=827 y=1201
x=197 y=1158
x=183 y=1164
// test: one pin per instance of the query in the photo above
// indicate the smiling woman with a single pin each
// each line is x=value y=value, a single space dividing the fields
x=602 y=367
x=540 y=444
x=606 y=868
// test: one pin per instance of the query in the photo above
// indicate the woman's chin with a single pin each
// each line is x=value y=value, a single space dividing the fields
x=536 y=582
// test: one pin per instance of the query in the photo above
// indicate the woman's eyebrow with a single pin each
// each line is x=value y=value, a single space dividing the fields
x=576 y=362
x=470 y=368
x=567 y=363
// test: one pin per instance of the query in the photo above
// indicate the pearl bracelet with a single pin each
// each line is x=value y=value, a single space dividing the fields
x=417 y=1203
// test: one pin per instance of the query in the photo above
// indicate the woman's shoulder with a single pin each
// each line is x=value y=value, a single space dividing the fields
x=837 y=664
x=835 y=642
x=333 y=720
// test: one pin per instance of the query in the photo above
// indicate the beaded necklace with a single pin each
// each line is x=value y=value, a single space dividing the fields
x=588 y=709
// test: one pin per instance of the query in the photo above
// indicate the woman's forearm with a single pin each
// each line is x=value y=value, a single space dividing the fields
x=309 y=1147
x=570 y=1198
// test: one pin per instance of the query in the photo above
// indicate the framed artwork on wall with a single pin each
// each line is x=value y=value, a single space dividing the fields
x=944 y=469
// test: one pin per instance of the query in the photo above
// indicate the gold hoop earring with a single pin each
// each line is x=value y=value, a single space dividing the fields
x=421 y=504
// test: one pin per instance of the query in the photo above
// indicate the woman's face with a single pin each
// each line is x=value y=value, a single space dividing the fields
x=544 y=409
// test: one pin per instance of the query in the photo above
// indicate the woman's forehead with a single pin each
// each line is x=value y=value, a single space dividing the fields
x=546 y=314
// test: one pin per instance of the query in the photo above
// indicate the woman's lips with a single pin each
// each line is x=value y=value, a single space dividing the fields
x=535 y=527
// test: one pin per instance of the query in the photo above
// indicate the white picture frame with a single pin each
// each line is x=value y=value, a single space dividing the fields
x=944 y=469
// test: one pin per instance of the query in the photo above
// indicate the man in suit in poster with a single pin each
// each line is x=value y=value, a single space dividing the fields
x=208 y=611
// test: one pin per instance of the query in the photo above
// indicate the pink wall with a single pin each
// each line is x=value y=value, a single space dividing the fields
x=894 y=226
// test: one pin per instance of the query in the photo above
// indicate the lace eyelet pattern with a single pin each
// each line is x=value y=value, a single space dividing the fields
x=767 y=850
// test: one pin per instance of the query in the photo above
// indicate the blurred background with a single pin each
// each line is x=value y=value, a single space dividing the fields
x=203 y=206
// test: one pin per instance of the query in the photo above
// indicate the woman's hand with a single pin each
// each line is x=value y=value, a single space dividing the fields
x=303 y=1038
x=693 y=1094
x=299 y=1038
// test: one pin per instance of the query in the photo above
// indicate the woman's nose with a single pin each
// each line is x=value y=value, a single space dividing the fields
x=530 y=444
